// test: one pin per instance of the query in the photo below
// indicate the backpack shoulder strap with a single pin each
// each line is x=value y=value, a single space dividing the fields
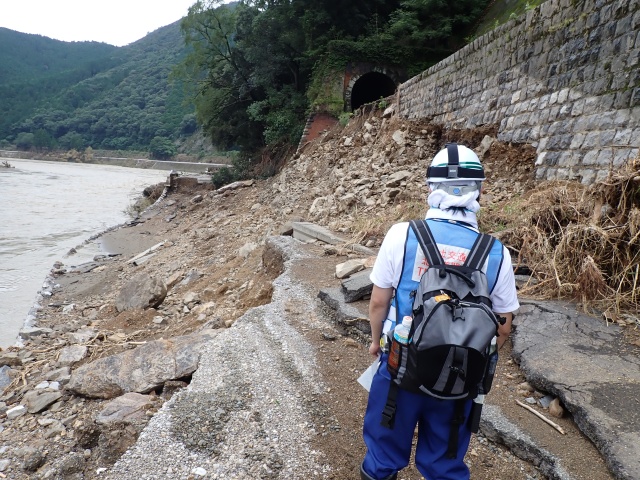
x=427 y=242
x=479 y=251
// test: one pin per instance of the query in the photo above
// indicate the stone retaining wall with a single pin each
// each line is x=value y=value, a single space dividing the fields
x=564 y=77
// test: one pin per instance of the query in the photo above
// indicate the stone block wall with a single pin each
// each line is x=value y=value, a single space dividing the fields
x=564 y=77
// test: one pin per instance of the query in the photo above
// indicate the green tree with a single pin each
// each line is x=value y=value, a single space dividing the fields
x=71 y=141
x=429 y=30
x=257 y=62
x=162 y=148
x=43 y=140
x=24 y=141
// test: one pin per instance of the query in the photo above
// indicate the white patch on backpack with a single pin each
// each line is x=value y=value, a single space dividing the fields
x=450 y=254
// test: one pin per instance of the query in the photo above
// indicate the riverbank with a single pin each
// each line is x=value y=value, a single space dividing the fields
x=182 y=165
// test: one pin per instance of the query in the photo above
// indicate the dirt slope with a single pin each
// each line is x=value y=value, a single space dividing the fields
x=214 y=243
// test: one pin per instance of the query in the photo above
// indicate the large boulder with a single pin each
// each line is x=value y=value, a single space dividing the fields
x=140 y=370
x=142 y=291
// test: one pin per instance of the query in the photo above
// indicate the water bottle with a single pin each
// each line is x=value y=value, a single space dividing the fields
x=400 y=339
x=491 y=367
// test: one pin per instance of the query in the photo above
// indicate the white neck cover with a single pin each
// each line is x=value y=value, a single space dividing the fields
x=439 y=201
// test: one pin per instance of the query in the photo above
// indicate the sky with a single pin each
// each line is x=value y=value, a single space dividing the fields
x=116 y=22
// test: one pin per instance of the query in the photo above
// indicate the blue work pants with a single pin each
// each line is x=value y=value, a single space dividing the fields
x=389 y=450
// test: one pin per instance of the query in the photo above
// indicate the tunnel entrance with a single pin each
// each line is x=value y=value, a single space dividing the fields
x=371 y=87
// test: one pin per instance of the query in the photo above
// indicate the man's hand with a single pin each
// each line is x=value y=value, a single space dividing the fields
x=504 y=330
x=378 y=310
x=374 y=348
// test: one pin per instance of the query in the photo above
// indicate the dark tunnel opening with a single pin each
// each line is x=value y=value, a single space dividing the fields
x=371 y=87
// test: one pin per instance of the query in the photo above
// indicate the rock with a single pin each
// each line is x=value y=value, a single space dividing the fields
x=32 y=458
x=29 y=333
x=67 y=309
x=398 y=137
x=545 y=401
x=141 y=370
x=357 y=287
x=141 y=292
x=73 y=463
x=10 y=359
x=346 y=201
x=192 y=276
x=190 y=297
x=389 y=195
x=555 y=409
x=4 y=464
x=5 y=378
x=197 y=199
x=60 y=375
x=69 y=356
x=55 y=428
x=348 y=141
x=530 y=400
x=128 y=408
x=389 y=111
x=349 y=268
x=83 y=335
x=485 y=145
x=199 y=472
x=16 y=412
x=246 y=249
x=37 y=400
x=286 y=229
x=397 y=178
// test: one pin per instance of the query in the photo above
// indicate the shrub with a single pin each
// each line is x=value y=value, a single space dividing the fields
x=162 y=148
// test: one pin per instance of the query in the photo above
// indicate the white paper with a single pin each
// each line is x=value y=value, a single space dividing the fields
x=367 y=376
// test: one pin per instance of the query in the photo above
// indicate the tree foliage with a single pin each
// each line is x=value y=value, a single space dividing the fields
x=121 y=99
x=259 y=64
x=162 y=148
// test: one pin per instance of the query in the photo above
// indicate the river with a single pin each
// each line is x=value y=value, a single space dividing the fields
x=47 y=208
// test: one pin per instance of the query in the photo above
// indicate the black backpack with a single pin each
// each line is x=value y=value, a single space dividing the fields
x=452 y=329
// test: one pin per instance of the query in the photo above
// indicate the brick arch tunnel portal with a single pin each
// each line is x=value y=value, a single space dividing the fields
x=371 y=87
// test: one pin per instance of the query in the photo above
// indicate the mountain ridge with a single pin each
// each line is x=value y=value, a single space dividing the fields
x=120 y=99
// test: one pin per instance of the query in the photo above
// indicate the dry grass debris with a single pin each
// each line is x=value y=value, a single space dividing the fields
x=580 y=242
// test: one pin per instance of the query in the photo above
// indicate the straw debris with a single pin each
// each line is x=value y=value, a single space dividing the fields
x=580 y=242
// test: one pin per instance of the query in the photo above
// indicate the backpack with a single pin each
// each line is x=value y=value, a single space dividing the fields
x=451 y=332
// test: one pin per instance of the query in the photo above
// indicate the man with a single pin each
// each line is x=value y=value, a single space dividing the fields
x=453 y=204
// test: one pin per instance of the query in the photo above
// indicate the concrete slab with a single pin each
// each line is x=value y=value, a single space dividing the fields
x=594 y=372
x=353 y=316
x=307 y=231
x=497 y=428
x=357 y=286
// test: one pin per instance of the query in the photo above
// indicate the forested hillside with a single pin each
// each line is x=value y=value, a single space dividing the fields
x=35 y=68
x=117 y=98
x=248 y=72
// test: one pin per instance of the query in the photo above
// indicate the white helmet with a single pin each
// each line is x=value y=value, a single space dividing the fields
x=456 y=169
